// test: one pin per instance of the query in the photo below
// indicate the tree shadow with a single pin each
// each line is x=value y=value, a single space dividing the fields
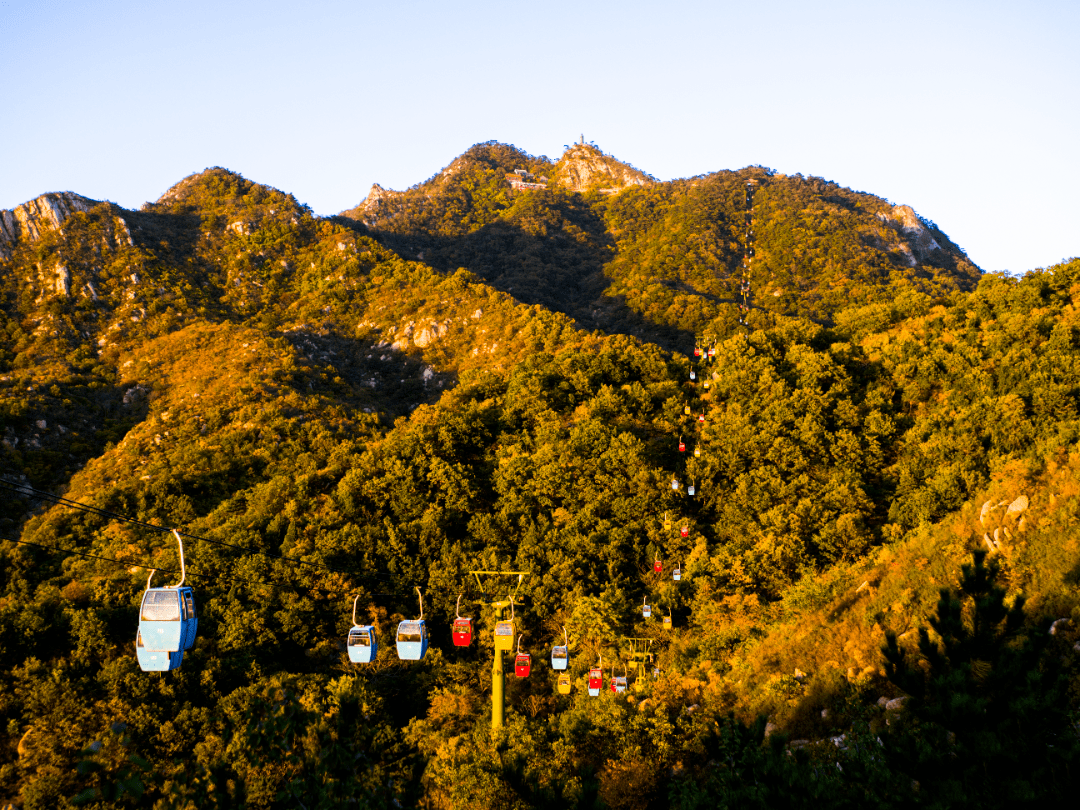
x=551 y=254
x=373 y=377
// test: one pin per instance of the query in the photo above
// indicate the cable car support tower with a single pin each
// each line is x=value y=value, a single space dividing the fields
x=488 y=597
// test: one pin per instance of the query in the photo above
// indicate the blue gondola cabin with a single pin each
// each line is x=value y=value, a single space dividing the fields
x=167 y=623
x=412 y=640
x=362 y=644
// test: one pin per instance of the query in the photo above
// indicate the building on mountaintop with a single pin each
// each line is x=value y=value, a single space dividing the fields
x=522 y=179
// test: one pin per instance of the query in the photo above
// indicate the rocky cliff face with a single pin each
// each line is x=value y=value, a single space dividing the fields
x=583 y=167
x=368 y=209
x=29 y=220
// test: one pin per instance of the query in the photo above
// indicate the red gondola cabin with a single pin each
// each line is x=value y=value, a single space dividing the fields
x=658 y=567
x=685 y=531
x=462 y=632
x=596 y=681
x=522 y=665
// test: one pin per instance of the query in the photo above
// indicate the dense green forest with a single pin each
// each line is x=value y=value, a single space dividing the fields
x=465 y=376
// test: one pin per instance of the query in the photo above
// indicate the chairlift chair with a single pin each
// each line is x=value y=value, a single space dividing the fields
x=361 y=643
x=560 y=656
x=167 y=621
x=412 y=636
x=504 y=632
x=461 y=631
x=522 y=662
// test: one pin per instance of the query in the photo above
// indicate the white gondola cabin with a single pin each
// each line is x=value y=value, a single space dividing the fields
x=168 y=623
x=560 y=656
x=362 y=644
x=412 y=636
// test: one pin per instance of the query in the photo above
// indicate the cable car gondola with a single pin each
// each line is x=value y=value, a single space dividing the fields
x=677 y=573
x=412 y=636
x=684 y=531
x=618 y=682
x=667 y=522
x=646 y=611
x=675 y=483
x=657 y=565
x=504 y=632
x=596 y=678
x=667 y=620
x=560 y=656
x=361 y=643
x=522 y=662
x=461 y=631
x=682 y=445
x=697 y=451
x=702 y=417
x=692 y=489
x=564 y=684
x=167 y=622
x=156 y=660
x=693 y=376
x=686 y=410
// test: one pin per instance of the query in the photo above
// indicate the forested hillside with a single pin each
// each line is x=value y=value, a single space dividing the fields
x=465 y=375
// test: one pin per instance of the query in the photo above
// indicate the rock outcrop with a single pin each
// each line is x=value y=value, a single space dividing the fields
x=31 y=219
x=583 y=166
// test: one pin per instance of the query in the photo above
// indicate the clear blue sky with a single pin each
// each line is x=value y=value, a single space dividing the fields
x=967 y=111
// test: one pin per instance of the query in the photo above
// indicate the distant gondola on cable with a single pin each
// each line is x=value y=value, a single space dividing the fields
x=596 y=679
x=412 y=636
x=361 y=643
x=667 y=620
x=675 y=483
x=677 y=573
x=692 y=489
x=461 y=631
x=682 y=445
x=560 y=656
x=504 y=632
x=702 y=417
x=646 y=611
x=684 y=532
x=657 y=565
x=667 y=522
x=522 y=662
x=693 y=376
x=618 y=682
x=168 y=623
x=686 y=410
x=697 y=451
